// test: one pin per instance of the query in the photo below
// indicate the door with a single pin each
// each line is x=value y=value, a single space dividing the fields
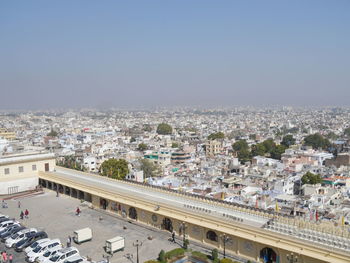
x=47 y=167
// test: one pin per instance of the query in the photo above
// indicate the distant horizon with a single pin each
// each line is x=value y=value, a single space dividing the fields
x=78 y=54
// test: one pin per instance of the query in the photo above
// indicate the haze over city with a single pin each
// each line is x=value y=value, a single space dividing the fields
x=167 y=53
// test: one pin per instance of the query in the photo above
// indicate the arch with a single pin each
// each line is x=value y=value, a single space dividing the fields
x=81 y=195
x=60 y=189
x=167 y=224
x=268 y=255
x=211 y=235
x=132 y=213
x=74 y=193
x=103 y=203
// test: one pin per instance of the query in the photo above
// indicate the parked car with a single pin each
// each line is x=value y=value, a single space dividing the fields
x=35 y=244
x=48 y=254
x=30 y=240
x=42 y=248
x=6 y=224
x=13 y=230
x=12 y=240
x=76 y=259
x=8 y=228
x=63 y=255
x=6 y=218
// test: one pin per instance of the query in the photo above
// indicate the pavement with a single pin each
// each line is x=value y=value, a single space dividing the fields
x=56 y=216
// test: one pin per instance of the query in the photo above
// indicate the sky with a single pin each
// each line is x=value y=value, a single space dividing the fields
x=88 y=54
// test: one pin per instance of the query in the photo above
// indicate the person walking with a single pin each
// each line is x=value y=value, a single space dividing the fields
x=21 y=215
x=173 y=237
x=10 y=258
x=69 y=241
x=4 y=256
x=26 y=213
x=77 y=212
x=1 y=258
x=19 y=204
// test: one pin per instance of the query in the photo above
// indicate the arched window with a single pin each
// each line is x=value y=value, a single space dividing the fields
x=132 y=213
x=211 y=235
x=268 y=255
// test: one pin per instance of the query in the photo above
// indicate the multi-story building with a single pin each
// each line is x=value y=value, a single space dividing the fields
x=213 y=147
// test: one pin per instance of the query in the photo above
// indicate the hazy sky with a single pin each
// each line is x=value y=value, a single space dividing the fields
x=56 y=54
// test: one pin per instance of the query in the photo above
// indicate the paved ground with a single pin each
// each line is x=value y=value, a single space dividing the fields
x=57 y=217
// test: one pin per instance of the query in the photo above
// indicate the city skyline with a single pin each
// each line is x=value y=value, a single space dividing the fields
x=144 y=55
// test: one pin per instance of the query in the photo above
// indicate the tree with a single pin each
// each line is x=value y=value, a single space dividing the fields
x=149 y=168
x=310 y=178
x=216 y=136
x=161 y=256
x=174 y=145
x=332 y=136
x=277 y=151
x=52 y=133
x=288 y=140
x=147 y=128
x=258 y=150
x=114 y=168
x=269 y=144
x=317 y=141
x=347 y=132
x=239 y=145
x=252 y=137
x=164 y=129
x=142 y=147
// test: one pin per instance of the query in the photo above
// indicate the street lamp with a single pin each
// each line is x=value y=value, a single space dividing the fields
x=224 y=240
x=137 y=244
x=291 y=258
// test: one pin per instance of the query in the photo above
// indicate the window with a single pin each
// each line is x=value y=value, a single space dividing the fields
x=34 y=167
x=20 y=169
x=7 y=170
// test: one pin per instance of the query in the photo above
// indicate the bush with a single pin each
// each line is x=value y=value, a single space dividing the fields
x=175 y=253
x=214 y=254
x=151 y=261
x=203 y=257
x=161 y=256
x=226 y=260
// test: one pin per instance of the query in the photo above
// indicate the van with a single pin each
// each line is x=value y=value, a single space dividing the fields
x=63 y=255
x=12 y=240
x=82 y=235
x=35 y=244
x=42 y=248
x=30 y=240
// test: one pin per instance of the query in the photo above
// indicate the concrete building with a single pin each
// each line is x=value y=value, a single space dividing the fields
x=213 y=147
x=19 y=172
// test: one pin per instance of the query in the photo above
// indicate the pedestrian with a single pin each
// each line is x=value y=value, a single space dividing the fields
x=26 y=213
x=4 y=256
x=69 y=241
x=10 y=258
x=1 y=258
x=77 y=212
x=21 y=215
x=173 y=236
x=57 y=193
x=19 y=204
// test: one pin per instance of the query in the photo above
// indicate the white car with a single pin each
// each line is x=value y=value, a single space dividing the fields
x=48 y=254
x=77 y=259
x=12 y=240
x=35 y=244
x=6 y=224
x=63 y=255
x=42 y=248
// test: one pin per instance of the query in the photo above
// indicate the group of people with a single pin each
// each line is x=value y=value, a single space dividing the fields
x=4 y=258
x=24 y=215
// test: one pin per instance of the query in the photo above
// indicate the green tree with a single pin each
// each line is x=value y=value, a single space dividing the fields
x=331 y=136
x=347 y=132
x=142 y=147
x=147 y=128
x=317 y=141
x=161 y=256
x=216 y=136
x=114 y=168
x=277 y=151
x=269 y=144
x=214 y=254
x=310 y=178
x=52 y=133
x=240 y=145
x=258 y=150
x=288 y=140
x=149 y=168
x=164 y=129
x=252 y=137
x=175 y=145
